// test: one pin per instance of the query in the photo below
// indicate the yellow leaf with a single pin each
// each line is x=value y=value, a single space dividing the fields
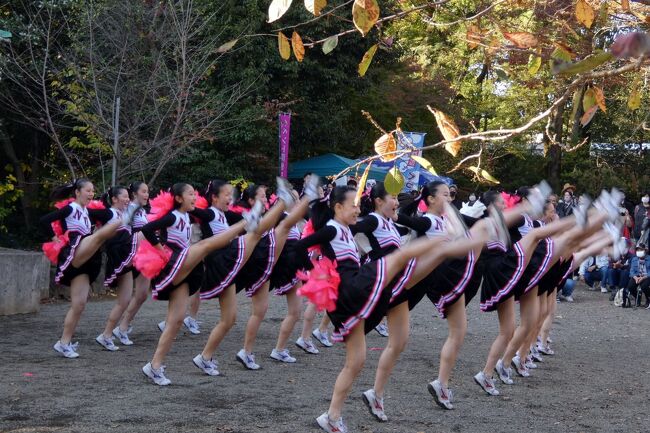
x=600 y=98
x=298 y=47
x=482 y=173
x=367 y=58
x=534 y=63
x=385 y=144
x=284 y=46
x=473 y=36
x=585 y=13
x=424 y=164
x=394 y=181
x=315 y=6
x=362 y=185
x=625 y=4
x=448 y=129
x=227 y=46
x=634 y=101
x=588 y=99
x=522 y=39
x=589 y=114
x=277 y=8
x=364 y=15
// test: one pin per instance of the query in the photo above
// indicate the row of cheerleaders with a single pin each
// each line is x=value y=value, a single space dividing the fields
x=509 y=248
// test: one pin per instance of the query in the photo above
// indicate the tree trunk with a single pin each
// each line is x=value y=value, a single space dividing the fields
x=7 y=147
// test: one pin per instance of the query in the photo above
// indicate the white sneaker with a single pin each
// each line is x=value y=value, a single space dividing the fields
x=529 y=363
x=535 y=355
x=322 y=337
x=441 y=395
x=208 y=367
x=603 y=289
x=122 y=336
x=505 y=374
x=546 y=350
x=310 y=189
x=247 y=359
x=106 y=343
x=568 y=298
x=331 y=426
x=157 y=376
x=253 y=217
x=161 y=326
x=307 y=346
x=67 y=350
x=537 y=197
x=382 y=330
x=192 y=325
x=284 y=191
x=375 y=405
x=520 y=368
x=486 y=382
x=283 y=356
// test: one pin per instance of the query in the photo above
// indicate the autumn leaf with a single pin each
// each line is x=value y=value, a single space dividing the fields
x=362 y=184
x=585 y=13
x=386 y=144
x=589 y=114
x=588 y=99
x=424 y=164
x=367 y=58
x=284 y=46
x=227 y=46
x=534 y=63
x=277 y=8
x=634 y=100
x=315 y=6
x=448 y=129
x=565 y=49
x=473 y=36
x=482 y=173
x=585 y=65
x=600 y=98
x=625 y=4
x=364 y=15
x=394 y=181
x=298 y=47
x=330 y=43
x=522 y=39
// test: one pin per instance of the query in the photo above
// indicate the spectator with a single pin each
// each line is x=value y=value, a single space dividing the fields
x=641 y=215
x=553 y=199
x=566 y=294
x=565 y=207
x=627 y=203
x=593 y=270
x=453 y=193
x=618 y=274
x=638 y=279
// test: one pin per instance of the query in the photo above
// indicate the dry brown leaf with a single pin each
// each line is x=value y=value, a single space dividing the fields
x=585 y=13
x=589 y=114
x=522 y=39
x=625 y=4
x=364 y=15
x=298 y=47
x=448 y=129
x=384 y=144
x=315 y=6
x=473 y=36
x=600 y=98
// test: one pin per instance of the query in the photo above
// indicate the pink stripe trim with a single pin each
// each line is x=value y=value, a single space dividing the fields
x=232 y=274
x=521 y=256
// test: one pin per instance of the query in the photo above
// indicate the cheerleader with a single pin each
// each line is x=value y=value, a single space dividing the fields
x=321 y=334
x=224 y=265
x=76 y=252
x=120 y=250
x=363 y=293
x=182 y=272
x=139 y=195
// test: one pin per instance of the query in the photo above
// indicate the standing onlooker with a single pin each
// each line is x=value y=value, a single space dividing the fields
x=595 y=269
x=453 y=193
x=641 y=215
x=565 y=207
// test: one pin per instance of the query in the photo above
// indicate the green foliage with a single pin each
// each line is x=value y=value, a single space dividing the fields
x=9 y=195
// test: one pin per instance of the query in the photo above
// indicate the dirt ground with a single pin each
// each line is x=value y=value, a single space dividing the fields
x=599 y=380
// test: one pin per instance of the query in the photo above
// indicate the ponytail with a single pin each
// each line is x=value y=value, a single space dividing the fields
x=323 y=210
x=68 y=190
x=112 y=192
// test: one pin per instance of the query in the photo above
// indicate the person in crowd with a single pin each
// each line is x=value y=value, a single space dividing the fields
x=565 y=207
x=594 y=269
x=641 y=217
x=553 y=199
x=455 y=200
x=638 y=279
x=618 y=274
x=566 y=292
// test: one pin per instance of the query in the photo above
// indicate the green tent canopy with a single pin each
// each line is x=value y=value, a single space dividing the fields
x=329 y=165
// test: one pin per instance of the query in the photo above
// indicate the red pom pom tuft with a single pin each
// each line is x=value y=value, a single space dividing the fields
x=237 y=209
x=57 y=228
x=149 y=260
x=63 y=203
x=52 y=249
x=96 y=204
x=511 y=200
x=307 y=230
x=161 y=205
x=201 y=202
x=322 y=286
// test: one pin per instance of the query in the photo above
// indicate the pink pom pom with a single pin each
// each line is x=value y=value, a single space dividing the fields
x=307 y=230
x=57 y=228
x=510 y=200
x=52 y=249
x=237 y=209
x=95 y=204
x=161 y=205
x=63 y=203
x=149 y=260
x=201 y=202
x=422 y=207
x=322 y=286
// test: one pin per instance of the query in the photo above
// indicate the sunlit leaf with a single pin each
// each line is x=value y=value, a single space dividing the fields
x=367 y=58
x=277 y=8
x=283 y=46
x=600 y=98
x=227 y=46
x=585 y=65
x=473 y=36
x=585 y=13
x=315 y=6
x=330 y=43
x=424 y=164
x=625 y=4
x=634 y=100
x=385 y=144
x=362 y=184
x=589 y=114
x=482 y=173
x=448 y=129
x=588 y=99
x=522 y=39
x=394 y=181
x=534 y=63
x=365 y=14
x=298 y=47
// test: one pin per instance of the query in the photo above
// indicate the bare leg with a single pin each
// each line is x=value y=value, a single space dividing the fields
x=457 y=323
x=142 y=285
x=124 y=290
x=289 y=322
x=258 y=311
x=308 y=321
x=551 y=307
x=175 y=314
x=227 y=319
x=532 y=336
x=506 y=312
x=529 y=310
x=398 y=326
x=324 y=323
x=195 y=302
x=89 y=245
x=79 y=287
x=355 y=357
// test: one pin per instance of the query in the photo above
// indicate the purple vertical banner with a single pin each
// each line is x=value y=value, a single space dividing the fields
x=285 y=130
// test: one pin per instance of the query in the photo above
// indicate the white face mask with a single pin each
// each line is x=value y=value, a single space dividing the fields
x=645 y=200
x=640 y=254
